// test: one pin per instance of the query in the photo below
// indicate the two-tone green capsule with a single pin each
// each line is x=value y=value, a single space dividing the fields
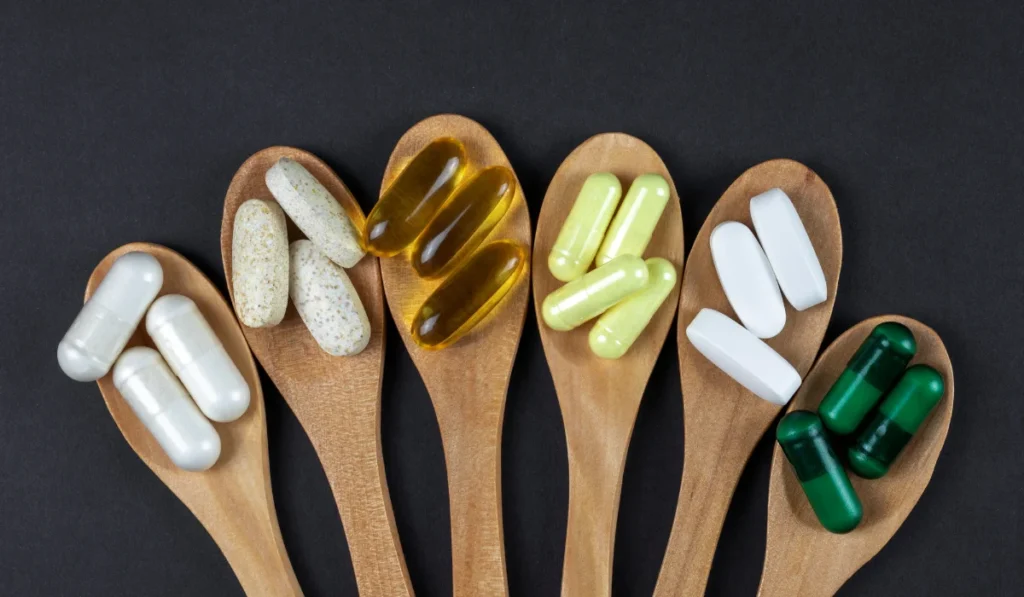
x=804 y=440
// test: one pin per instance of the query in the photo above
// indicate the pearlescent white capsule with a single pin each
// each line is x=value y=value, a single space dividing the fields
x=259 y=263
x=747 y=279
x=164 y=407
x=197 y=357
x=109 y=318
x=327 y=302
x=789 y=249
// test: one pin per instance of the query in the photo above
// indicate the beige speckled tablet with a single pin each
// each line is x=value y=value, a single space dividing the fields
x=259 y=263
x=315 y=211
x=327 y=301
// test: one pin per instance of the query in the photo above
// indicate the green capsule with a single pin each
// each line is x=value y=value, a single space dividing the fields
x=585 y=298
x=636 y=219
x=584 y=227
x=874 y=369
x=616 y=330
x=804 y=441
x=901 y=414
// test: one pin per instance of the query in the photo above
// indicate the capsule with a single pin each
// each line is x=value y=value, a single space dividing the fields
x=164 y=407
x=259 y=263
x=463 y=223
x=415 y=195
x=616 y=330
x=197 y=357
x=469 y=294
x=109 y=318
x=900 y=415
x=585 y=298
x=584 y=227
x=874 y=369
x=636 y=219
x=804 y=441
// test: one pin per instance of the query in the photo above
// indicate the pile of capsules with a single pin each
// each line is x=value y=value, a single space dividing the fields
x=164 y=398
x=623 y=289
x=877 y=369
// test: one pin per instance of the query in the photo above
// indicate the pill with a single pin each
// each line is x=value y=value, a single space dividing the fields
x=585 y=298
x=415 y=195
x=164 y=407
x=463 y=222
x=616 y=330
x=789 y=249
x=874 y=368
x=197 y=357
x=747 y=279
x=743 y=356
x=805 y=444
x=259 y=263
x=636 y=219
x=900 y=415
x=109 y=318
x=326 y=301
x=315 y=211
x=581 y=234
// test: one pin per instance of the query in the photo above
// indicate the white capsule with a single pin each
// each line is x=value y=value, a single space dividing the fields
x=163 y=406
x=747 y=279
x=259 y=263
x=197 y=357
x=109 y=318
x=315 y=211
x=327 y=302
x=745 y=358
x=789 y=249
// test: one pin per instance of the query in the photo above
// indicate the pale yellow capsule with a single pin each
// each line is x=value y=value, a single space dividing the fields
x=584 y=227
x=616 y=331
x=585 y=298
x=636 y=219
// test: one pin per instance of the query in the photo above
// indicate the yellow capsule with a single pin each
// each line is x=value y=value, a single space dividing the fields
x=415 y=195
x=615 y=331
x=587 y=297
x=463 y=223
x=636 y=219
x=584 y=227
x=465 y=297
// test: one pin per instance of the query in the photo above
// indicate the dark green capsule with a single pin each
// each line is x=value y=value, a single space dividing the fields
x=901 y=414
x=828 y=489
x=874 y=368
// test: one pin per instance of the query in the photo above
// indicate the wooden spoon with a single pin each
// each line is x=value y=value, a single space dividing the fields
x=599 y=398
x=233 y=500
x=467 y=381
x=335 y=399
x=803 y=559
x=722 y=420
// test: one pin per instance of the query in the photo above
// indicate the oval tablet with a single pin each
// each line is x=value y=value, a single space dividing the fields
x=259 y=263
x=164 y=407
x=636 y=219
x=585 y=298
x=584 y=227
x=745 y=358
x=789 y=249
x=109 y=318
x=619 y=327
x=197 y=357
x=326 y=301
x=747 y=279
x=315 y=211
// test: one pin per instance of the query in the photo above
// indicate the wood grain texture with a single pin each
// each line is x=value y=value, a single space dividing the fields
x=233 y=500
x=722 y=420
x=599 y=398
x=802 y=558
x=467 y=381
x=335 y=399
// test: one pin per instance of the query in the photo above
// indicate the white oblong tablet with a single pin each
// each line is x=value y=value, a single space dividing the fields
x=747 y=279
x=259 y=263
x=327 y=302
x=315 y=211
x=789 y=249
x=745 y=358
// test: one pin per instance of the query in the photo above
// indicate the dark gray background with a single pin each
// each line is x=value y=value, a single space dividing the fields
x=126 y=123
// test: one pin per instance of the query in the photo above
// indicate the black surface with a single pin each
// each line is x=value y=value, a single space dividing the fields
x=127 y=122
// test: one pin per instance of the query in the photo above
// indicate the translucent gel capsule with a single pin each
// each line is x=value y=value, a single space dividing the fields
x=616 y=330
x=584 y=227
x=412 y=199
x=805 y=443
x=636 y=219
x=900 y=415
x=469 y=294
x=463 y=222
x=874 y=369
x=585 y=298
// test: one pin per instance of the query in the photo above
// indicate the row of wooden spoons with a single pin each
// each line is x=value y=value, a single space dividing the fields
x=337 y=400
